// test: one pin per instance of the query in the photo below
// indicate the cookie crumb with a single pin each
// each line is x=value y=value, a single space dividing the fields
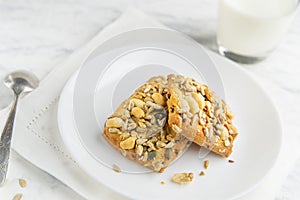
x=231 y=161
x=22 y=182
x=162 y=182
x=206 y=164
x=202 y=173
x=18 y=196
x=116 y=168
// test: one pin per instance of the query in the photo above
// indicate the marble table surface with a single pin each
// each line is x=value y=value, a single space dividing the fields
x=37 y=35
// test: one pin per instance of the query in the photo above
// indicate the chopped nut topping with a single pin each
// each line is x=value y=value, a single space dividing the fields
x=229 y=114
x=222 y=150
x=231 y=161
x=208 y=94
x=139 y=150
x=159 y=99
x=141 y=124
x=183 y=178
x=137 y=112
x=170 y=145
x=226 y=143
x=113 y=130
x=147 y=89
x=128 y=143
x=124 y=135
x=208 y=106
x=202 y=173
x=206 y=164
x=114 y=122
x=141 y=141
x=194 y=107
x=224 y=134
x=138 y=103
x=202 y=89
x=200 y=100
x=145 y=156
x=176 y=128
x=160 y=144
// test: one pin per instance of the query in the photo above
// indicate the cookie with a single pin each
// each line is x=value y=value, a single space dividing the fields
x=138 y=128
x=198 y=114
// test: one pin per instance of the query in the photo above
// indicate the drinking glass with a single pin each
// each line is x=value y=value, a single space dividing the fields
x=248 y=30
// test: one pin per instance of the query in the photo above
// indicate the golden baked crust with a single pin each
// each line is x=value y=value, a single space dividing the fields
x=138 y=128
x=198 y=114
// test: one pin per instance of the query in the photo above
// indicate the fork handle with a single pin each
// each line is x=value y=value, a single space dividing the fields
x=5 y=141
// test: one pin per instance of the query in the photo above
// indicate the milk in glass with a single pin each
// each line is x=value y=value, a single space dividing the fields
x=253 y=28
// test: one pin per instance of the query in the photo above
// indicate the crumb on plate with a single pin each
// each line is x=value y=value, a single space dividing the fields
x=183 y=178
x=206 y=164
x=202 y=173
x=18 y=196
x=116 y=168
x=22 y=182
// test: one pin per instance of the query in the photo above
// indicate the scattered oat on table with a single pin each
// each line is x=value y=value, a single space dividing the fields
x=162 y=182
x=231 y=161
x=18 y=196
x=206 y=164
x=116 y=168
x=202 y=173
x=183 y=178
x=22 y=182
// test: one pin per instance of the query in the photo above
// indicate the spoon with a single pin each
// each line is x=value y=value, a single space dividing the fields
x=20 y=82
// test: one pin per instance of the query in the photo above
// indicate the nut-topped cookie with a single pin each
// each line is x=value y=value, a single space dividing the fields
x=138 y=128
x=197 y=113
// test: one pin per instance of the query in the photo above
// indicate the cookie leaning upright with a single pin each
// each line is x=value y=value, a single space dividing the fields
x=198 y=114
x=138 y=128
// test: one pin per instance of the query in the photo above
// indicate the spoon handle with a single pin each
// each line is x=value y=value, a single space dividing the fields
x=6 y=140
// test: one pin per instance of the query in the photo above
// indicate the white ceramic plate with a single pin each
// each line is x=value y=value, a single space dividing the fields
x=255 y=151
x=120 y=65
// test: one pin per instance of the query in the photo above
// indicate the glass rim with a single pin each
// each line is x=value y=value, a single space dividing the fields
x=284 y=14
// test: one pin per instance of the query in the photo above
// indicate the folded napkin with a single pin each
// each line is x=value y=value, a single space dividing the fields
x=37 y=138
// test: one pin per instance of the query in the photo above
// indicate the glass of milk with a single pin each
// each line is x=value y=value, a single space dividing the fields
x=248 y=30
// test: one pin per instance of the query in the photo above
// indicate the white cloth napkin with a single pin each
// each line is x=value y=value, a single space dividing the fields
x=37 y=138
